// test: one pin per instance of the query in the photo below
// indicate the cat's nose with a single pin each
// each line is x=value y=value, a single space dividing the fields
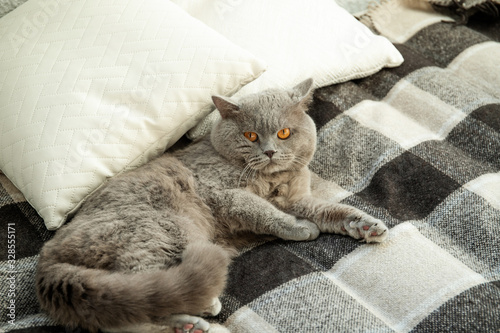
x=270 y=153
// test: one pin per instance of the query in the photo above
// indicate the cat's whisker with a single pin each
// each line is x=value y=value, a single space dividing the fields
x=251 y=174
x=254 y=175
x=302 y=160
x=245 y=169
x=258 y=162
x=302 y=163
x=298 y=162
x=294 y=158
x=247 y=173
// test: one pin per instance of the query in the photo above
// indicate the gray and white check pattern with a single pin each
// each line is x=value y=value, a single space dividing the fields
x=417 y=146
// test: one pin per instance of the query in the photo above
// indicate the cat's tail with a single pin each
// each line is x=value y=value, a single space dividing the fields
x=94 y=298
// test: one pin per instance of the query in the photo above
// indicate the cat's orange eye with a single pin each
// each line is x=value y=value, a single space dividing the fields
x=284 y=133
x=252 y=136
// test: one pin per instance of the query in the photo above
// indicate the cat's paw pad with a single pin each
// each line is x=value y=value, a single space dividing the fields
x=189 y=324
x=366 y=228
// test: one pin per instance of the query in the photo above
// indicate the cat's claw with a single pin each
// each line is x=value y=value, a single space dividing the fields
x=366 y=228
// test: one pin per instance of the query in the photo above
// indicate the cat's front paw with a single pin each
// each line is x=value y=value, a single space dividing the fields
x=310 y=230
x=299 y=230
x=213 y=309
x=366 y=228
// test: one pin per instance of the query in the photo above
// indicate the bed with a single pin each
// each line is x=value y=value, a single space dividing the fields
x=416 y=145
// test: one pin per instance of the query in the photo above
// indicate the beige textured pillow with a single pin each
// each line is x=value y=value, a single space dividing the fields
x=297 y=39
x=91 y=88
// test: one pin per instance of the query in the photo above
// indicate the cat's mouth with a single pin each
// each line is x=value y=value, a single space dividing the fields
x=276 y=162
x=273 y=164
x=265 y=162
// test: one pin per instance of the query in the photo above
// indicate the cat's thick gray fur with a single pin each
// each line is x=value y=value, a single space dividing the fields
x=153 y=245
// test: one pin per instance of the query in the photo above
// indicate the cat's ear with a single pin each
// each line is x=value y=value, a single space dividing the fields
x=226 y=107
x=302 y=92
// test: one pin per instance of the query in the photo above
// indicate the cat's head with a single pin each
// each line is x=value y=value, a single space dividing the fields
x=268 y=131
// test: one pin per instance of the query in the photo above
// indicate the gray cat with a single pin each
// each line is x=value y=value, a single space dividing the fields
x=151 y=248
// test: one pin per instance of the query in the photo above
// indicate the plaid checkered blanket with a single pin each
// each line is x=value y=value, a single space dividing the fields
x=417 y=146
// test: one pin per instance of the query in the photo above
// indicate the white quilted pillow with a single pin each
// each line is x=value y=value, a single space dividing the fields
x=89 y=88
x=297 y=39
